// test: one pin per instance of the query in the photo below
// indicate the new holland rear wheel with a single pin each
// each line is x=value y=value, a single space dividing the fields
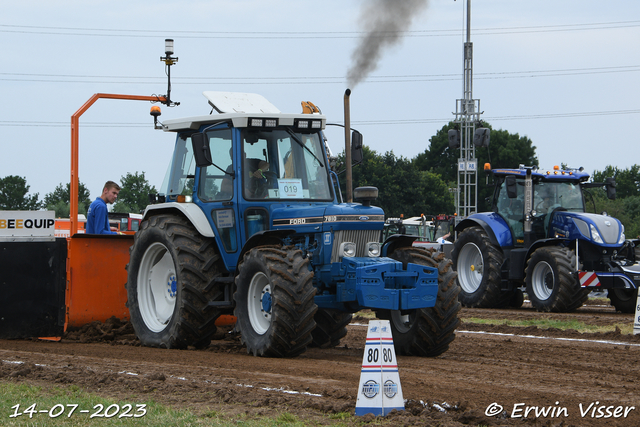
x=551 y=285
x=170 y=281
x=426 y=331
x=478 y=264
x=274 y=299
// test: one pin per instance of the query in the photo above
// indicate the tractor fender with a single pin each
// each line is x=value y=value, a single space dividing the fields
x=397 y=241
x=494 y=225
x=190 y=211
x=519 y=263
x=266 y=237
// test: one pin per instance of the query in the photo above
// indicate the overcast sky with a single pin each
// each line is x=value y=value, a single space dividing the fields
x=565 y=73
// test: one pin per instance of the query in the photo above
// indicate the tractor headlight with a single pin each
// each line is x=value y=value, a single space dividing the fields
x=373 y=249
x=595 y=235
x=347 y=249
x=622 y=236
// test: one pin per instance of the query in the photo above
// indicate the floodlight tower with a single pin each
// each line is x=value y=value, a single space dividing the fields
x=467 y=115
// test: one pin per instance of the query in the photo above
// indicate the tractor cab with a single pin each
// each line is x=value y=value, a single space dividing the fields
x=240 y=170
x=552 y=192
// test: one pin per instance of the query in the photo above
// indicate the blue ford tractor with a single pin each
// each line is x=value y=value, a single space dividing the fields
x=539 y=238
x=251 y=223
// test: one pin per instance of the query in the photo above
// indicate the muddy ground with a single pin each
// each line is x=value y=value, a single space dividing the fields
x=579 y=379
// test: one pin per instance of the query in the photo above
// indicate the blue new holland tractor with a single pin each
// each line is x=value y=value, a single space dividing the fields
x=251 y=223
x=538 y=238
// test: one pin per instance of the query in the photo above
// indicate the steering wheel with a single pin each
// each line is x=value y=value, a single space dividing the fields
x=259 y=187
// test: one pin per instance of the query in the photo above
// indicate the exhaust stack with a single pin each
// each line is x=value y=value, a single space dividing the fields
x=347 y=145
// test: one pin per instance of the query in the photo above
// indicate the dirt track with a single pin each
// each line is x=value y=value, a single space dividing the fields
x=480 y=369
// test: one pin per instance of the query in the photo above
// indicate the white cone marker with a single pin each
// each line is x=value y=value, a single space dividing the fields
x=379 y=391
x=636 y=319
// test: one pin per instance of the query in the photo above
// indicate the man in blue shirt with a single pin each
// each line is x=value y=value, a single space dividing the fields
x=97 y=215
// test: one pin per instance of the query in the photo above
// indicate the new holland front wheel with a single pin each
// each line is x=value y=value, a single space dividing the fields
x=624 y=300
x=551 y=285
x=478 y=263
x=274 y=299
x=426 y=331
x=170 y=276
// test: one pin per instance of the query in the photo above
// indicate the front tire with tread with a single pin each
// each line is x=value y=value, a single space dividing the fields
x=551 y=285
x=274 y=299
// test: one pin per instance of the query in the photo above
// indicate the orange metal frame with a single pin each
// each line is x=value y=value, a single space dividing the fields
x=96 y=265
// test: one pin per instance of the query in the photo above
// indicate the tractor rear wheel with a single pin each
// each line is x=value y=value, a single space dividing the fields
x=478 y=263
x=274 y=299
x=426 y=331
x=551 y=285
x=624 y=300
x=331 y=327
x=171 y=272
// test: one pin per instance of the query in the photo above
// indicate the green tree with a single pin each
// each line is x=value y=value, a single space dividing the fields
x=134 y=193
x=402 y=189
x=13 y=195
x=58 y=200
x=506 y=150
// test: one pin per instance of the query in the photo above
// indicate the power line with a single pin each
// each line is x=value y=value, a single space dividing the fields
x=24 y=123
x=112 y=32
x=411 y=78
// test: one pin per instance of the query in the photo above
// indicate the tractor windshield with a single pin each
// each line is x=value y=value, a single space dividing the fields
x=283 y=164
x=549 y=195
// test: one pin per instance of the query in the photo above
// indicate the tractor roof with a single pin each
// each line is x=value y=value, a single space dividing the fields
x=238 y=108
x=556 y=174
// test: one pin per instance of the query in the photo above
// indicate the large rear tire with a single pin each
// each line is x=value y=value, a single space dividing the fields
x=426 y=332
x=551 y=285
x=624 y=300
x=171 y=275
x=478 y=263
x=331 y=327
x=275 y=304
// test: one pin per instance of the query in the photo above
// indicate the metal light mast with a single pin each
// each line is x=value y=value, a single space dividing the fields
x=466 y=116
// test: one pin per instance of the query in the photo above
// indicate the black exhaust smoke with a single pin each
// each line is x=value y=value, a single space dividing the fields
x=383 y=21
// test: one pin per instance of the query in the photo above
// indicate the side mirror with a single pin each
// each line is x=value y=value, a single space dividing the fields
x=481 y=137
x=356 y=147
x=201 y=150
x=610 y=183
x=454 y=138
x=512 y=189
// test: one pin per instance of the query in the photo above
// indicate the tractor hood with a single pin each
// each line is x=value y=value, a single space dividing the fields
x=601 y=230
x=320 y=218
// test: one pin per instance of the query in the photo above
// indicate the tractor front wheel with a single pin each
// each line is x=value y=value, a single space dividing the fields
x=274 y=299
x=624 y=300
x=551 y=285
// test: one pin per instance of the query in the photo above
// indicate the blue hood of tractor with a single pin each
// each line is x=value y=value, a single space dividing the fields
x=601 y=230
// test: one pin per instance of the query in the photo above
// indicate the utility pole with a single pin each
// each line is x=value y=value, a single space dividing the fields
x=467 y=115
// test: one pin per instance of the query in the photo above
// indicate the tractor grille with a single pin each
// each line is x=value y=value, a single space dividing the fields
x=359 y=237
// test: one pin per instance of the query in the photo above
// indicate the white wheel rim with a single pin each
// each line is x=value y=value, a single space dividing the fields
x=157 y=287
x=259 y=303
x=542 y=280
x=470 y=268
